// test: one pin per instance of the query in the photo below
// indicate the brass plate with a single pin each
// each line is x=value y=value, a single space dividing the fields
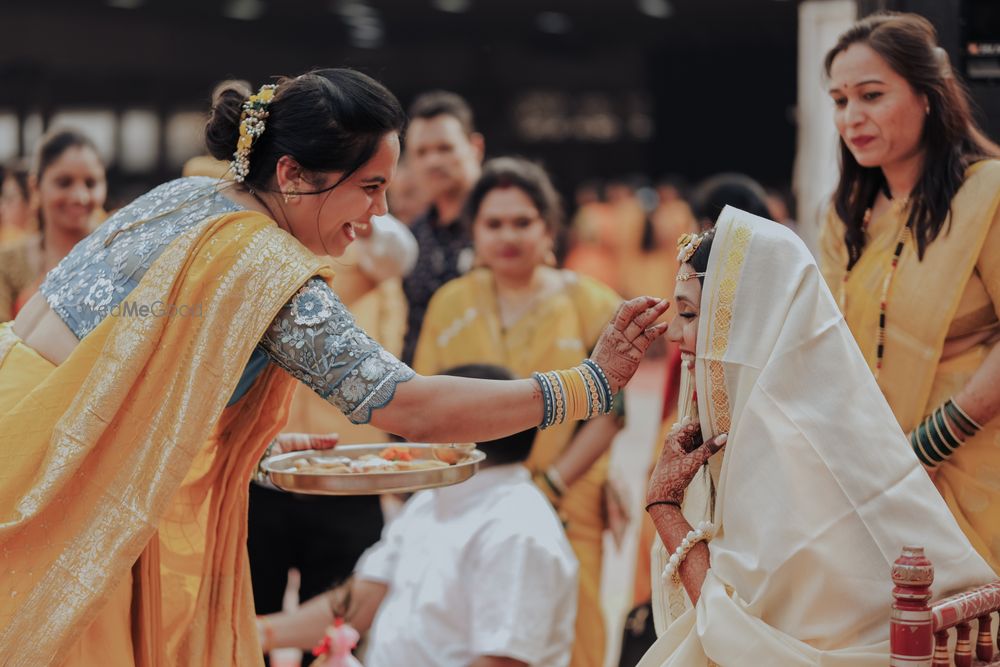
x=369 y=483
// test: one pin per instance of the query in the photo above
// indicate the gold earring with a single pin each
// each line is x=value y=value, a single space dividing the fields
x=290 y=195
x=927 y=110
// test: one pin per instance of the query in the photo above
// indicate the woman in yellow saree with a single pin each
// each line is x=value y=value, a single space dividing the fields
x=141 y=385
x=912 y=250
x=518 y=312
x=818 y=490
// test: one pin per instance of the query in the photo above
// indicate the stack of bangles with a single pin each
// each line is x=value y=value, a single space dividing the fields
x=934 y=439
x=703 y=533
x=579 y=393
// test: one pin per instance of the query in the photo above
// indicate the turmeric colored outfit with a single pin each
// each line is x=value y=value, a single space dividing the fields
x=123 y=492
x=954 y=292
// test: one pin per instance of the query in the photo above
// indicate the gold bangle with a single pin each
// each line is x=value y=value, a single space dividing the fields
x=577 y=400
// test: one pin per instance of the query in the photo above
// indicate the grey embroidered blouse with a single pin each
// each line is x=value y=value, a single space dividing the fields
x=314 y=337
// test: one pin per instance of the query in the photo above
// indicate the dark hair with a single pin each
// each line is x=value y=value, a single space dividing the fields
x=951 y=139
x=732 y=189
x=699 y=260
x=327 y=120
x=525 y=175
x=53 y=144
x=442 y=103
x=514 y=448
x=18 y=171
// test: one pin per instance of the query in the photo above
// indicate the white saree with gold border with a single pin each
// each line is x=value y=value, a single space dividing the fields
x=818 y=489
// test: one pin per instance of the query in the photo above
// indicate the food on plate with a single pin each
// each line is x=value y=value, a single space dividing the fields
x=391 y=459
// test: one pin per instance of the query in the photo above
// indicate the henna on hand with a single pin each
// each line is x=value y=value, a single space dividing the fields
x=675 y=470
x=625 y=340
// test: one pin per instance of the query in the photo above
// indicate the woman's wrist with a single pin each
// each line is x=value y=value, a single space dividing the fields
x=665 y=504
x=941 y=433
x=580 y=393
x=265 y=633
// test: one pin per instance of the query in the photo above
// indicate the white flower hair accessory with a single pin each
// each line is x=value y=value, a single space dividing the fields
x=251 y=127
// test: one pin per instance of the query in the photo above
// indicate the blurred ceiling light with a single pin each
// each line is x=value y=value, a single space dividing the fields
x=126 y=4
x=244 y=10
x=365 y=29
x=554 y=23
x=452 y=6
x=658 y=9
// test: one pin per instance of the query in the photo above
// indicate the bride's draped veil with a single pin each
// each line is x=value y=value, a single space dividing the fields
x=818 y=490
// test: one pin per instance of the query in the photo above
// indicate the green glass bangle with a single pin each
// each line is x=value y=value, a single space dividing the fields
x=965 y=425
x=916 y=450
x=941 y=426
x=926 y=445
x=941 y=448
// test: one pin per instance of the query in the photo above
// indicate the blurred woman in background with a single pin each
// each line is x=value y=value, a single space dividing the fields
x=519 y=311
x=69 y=186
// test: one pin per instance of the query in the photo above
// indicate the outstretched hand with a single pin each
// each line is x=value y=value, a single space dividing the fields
x=297 y=442
x=683 y=455
x=626 y=339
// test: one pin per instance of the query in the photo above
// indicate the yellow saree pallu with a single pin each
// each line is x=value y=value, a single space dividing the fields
x=462 y=326
x=952 y=293
x=124 y=484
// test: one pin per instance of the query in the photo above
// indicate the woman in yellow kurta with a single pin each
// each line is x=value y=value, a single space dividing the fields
x=519 y=312
x=68 y=184
x=912 y=250
x=140 y=386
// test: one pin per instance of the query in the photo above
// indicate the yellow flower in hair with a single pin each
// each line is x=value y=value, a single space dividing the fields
x=252 y=124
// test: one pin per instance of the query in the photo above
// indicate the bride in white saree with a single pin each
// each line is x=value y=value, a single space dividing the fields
x=818 y=489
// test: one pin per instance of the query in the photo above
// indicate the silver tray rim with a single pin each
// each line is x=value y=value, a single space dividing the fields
x=369 y=483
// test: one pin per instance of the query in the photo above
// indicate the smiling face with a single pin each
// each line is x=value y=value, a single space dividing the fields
x=71 y=189
x=687 y=298
x=328 y=222
x=509 y=234
x=879 y=116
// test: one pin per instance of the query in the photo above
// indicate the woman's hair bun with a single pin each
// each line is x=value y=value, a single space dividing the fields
x=223 y=128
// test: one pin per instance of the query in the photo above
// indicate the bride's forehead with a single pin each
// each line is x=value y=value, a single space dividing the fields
x=688 y=290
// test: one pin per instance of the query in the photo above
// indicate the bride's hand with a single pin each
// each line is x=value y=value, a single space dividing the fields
x=626 y=339
x=297 y=442
x=683 y=455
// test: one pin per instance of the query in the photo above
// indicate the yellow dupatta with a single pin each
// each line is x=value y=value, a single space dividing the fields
x=125 y=457
x=914 y=340
x=926 y=301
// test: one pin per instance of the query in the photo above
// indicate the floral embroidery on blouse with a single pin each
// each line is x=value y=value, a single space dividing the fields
x=315 y=339
x=97 y=276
